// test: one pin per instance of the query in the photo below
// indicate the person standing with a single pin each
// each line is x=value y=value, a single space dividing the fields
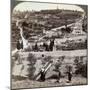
x=20 y=44
x=46 y=46
x=57 y=70
x=36 y=47
x=58 y=76
x=42 y=73
x=69 y=73
x=51 y=45
x=69 y=76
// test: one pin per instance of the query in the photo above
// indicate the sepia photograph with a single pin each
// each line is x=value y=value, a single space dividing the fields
x=48 y=44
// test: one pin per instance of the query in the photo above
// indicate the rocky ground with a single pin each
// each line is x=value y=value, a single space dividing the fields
x=48 y=83
x=24 y=82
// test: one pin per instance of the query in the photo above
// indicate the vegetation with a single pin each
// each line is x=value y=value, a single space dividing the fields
x=81 y=67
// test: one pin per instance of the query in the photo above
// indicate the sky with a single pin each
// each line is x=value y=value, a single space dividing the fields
x=83 y=2
x=24 y=6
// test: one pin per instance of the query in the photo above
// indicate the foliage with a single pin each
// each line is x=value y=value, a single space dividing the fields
x=48 y=58
x=81 y=67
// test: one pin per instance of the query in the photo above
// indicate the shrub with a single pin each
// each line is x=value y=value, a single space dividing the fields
x=81 y=67
x=48 y=58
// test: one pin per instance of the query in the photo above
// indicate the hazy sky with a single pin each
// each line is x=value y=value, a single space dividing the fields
x=83 y=2
x=42 y=6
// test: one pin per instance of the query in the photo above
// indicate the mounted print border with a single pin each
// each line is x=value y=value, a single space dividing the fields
x=48 y=44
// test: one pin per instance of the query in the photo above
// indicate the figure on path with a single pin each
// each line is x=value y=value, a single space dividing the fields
x=51 y=45
x=46 y=46
x=36 y=47
x=20 y=44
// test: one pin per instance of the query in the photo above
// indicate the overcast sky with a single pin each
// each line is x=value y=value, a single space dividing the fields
x=83 y=2
x=42 y=6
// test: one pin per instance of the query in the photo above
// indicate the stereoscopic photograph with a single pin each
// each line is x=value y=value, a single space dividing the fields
x=48 y=44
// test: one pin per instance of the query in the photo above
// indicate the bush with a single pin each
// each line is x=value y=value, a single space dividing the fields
x=81 y=68
x=48 y=58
